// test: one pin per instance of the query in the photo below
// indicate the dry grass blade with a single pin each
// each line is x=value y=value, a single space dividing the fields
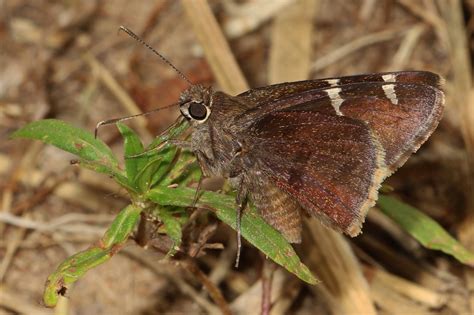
x=217 y=51
x=404 y=52
x=250 y=300
x=367 y=9
x=290 y=55
x=390 y=258
x=390 y=227
x=353 y=46
x=116 y=89
x=340 y=272
x=248 y=16
x=411 y=290
x=64 y=60
x=463 y=110
x=173 y=276
x=22 y=171
x=429 y=17
x=76 y=192
x=11 y=300
x=393 y=303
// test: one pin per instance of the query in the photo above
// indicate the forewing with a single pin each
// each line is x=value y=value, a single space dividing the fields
x=402 y=115
x=332 y=165
x=261 y=97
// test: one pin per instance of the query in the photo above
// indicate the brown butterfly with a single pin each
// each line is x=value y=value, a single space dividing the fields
x=321 y=147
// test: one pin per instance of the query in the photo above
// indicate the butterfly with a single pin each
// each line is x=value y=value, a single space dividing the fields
x=319 y=147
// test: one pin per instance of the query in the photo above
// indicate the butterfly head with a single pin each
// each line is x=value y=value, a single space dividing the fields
x=195 y=104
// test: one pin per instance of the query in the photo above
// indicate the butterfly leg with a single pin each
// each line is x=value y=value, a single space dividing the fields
x=241 y=201
x=198 y=188
x=182 y=144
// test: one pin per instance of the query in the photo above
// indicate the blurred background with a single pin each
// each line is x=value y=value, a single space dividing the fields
x=66 y=60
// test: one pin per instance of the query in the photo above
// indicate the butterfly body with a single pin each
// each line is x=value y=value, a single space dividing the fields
x=319 y=146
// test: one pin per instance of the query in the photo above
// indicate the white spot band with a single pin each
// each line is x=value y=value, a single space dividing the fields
x=336 y=99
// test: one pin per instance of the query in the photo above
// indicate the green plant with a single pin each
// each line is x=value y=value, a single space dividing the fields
x=157 y=178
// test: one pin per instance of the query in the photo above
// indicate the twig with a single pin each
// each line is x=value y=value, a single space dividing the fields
x=224 y=263
x=43 y=193
x=17 y=175
x=14 y=242
x=267 y=279
x=40 y=242
x=164 y=270
x=153 y=17
x=62 y=223
x=291 y=291
x=213 y=290
x=250 y=301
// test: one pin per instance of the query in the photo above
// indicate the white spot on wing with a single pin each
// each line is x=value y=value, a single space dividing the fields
x=389 y=78
x=336 y=99
x=333 y=82
x=389 y=90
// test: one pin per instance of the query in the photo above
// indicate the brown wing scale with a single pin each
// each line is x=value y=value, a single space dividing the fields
x=331 y=165
x=277 y=208
x=402 y=123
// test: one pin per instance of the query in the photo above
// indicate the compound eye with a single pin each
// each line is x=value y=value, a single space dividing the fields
x=197 y=111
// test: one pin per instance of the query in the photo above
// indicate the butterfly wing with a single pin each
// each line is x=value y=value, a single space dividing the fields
x=263 y=96
x=331 y=147
x=331 y=165
x=402 y=115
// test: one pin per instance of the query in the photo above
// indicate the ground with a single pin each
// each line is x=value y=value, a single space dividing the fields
x=67 y=60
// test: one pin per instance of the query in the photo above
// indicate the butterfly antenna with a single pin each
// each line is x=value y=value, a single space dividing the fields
x=141 y=41
x=120 y=119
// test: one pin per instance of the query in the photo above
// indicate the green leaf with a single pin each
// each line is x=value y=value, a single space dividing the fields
x=169 y=155
x=254 y=228
x=121 y=227
x=424 y=229
x=71 y=270
x=185 y=171
x=173 y=228
x=120 y=178
x=74 y=267
x=144 y=178
x=132 y=146
x=70 y=139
